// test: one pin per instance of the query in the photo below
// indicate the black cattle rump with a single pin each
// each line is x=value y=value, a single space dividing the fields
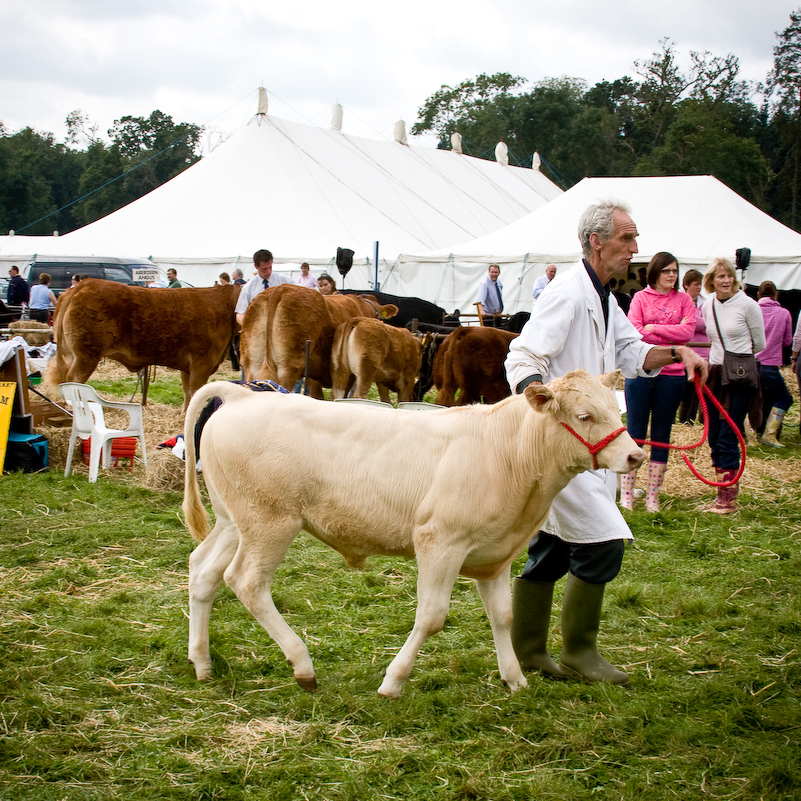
x=408 y=308
x=425 y=378
x=516 y=322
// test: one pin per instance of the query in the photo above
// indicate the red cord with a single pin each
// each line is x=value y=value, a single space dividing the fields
x=725 y=415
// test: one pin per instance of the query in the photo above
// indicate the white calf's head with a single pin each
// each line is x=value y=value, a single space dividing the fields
x=588 y=414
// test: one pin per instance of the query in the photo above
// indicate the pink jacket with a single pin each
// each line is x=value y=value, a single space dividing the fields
x=778 y=331
x=666 y=313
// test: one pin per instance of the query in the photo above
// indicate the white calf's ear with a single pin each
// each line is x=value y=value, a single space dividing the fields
x=541 y=398
x=610 y=379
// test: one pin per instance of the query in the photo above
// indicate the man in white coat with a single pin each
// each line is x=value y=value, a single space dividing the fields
x=577 y=324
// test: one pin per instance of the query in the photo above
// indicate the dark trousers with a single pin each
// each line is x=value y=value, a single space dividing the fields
x=658 y=399
x=722 y=439
x=550 y=558
x=774 y=392
x=40 y=315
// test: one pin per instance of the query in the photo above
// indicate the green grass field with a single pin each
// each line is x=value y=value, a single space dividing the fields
x=99 y=702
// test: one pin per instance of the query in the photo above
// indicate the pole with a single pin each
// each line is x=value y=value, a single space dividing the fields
x=376 y=268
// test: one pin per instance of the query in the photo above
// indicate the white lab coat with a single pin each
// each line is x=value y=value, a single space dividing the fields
x=566 y=332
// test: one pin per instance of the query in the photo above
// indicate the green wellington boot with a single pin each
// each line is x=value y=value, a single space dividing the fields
x=581 y=618
x=531 y=606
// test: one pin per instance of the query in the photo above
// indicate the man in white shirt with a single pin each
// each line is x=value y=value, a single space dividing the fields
x=544 y=280
x=264 y=279
x=577 y=323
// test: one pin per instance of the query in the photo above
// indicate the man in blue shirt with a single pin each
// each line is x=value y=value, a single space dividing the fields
x=490 y=295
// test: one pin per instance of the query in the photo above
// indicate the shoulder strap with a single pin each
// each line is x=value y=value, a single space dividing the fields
x=717 y=324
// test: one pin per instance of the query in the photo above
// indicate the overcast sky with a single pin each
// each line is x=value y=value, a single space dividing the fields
x=201 y=61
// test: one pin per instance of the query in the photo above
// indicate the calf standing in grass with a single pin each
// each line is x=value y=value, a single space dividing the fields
x=366 y=351
x=377 y=481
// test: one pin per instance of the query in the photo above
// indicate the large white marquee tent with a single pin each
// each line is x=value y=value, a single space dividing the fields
x=303 y=191
x=697 y=218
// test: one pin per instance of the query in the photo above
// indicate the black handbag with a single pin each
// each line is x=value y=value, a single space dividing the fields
x=739 y=369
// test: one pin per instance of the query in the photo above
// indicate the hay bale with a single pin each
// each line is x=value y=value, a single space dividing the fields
x=165 y=471
x=29 y=331
x=58 y=442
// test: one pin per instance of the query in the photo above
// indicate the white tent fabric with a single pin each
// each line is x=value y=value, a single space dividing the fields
x=697 y=218
x=303 y=191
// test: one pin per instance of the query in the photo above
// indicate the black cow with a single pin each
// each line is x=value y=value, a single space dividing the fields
x=409 y=308
x=425 y=378
x=516 y=322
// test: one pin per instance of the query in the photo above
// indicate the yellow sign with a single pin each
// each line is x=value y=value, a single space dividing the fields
x=7 y=390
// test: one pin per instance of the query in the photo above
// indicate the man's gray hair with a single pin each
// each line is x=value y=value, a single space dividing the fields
x=236 y=272
x=599 y=219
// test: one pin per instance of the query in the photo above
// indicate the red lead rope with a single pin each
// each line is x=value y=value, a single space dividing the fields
x=601 y=444
x=725 y=415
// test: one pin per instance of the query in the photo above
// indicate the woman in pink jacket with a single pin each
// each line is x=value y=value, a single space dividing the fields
x=776 y=398
x=664 y=316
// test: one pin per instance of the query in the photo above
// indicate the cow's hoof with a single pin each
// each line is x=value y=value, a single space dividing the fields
x=310 y=684
x=515 y=685
x=202 y=673
x=389 y=690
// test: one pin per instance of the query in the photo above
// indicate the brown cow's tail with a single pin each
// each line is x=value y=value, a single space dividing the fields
x=197 y=520
x=444 y=377
x=254 y=346
x=340 y=365
x=57 y=367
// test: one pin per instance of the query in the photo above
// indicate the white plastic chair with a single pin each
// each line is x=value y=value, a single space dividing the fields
x=88 y=421
x=419 y=406
x=376 y=404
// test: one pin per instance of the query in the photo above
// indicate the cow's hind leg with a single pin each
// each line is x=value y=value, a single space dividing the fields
x=207 y=565
x=261 y=550
x=435 y=579
x=497 y=600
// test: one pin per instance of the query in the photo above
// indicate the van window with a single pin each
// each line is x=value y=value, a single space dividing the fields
x=117 y=274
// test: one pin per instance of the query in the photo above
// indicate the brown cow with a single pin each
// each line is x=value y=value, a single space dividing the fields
x=186 y=329
x=368 y=350
x=471 y=359
x=280 y=320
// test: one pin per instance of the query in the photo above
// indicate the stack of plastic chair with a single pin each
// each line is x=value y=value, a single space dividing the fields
x=88 y=421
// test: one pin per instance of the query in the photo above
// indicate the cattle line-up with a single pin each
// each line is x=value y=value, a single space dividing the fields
x=406 y=485
x=190 y=330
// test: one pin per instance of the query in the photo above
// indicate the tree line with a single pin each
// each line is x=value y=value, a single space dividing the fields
x=48 y=186
x=664 y=121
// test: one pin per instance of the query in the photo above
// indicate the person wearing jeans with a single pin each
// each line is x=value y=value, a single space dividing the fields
x=664 y=316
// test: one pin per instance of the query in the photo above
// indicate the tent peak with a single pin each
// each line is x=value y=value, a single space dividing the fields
x=263 y=104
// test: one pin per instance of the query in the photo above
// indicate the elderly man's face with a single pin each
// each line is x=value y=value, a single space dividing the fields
x=550 y=272
x=264 y=269
x=494 y=272
x=616 y=254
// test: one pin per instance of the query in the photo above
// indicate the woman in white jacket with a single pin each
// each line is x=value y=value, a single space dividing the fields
x=738 y=318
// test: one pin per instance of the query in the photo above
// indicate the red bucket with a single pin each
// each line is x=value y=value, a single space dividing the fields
x=121 y=448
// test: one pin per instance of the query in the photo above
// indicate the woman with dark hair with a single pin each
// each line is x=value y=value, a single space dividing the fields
x=664 y=316
x=776 y=398
x=327 y=285
x=734 y=323
x=41 y=298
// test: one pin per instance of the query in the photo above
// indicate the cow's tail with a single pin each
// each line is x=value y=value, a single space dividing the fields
x=339 y=350
x=57 y=367
x=197 y=519
x=448 y=376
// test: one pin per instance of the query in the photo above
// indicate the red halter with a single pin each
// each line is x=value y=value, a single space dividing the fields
x=599 y=446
